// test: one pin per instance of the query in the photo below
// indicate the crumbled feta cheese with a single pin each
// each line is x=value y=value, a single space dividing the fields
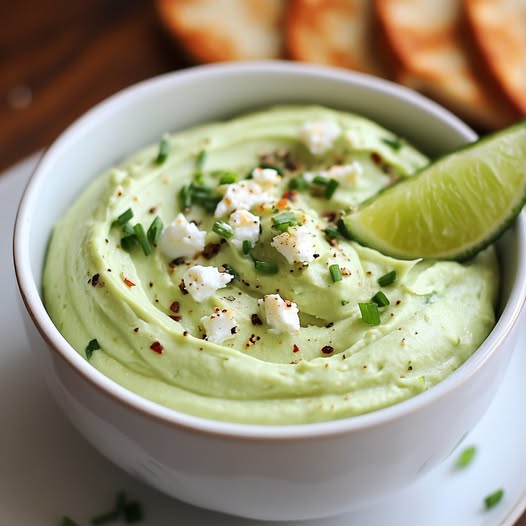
x=297 y=244
x=348 y=173
x=181 y=239
x=267 y=178
x=281 y=315
x=319 y=136
x=202 y=282
x=245 y=226
x=219 y=326
x=243 y=195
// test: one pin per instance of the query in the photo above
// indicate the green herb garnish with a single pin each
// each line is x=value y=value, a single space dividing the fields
x=231 y=270
x=155 y=230
x=124 y=217
x=465 y=457
x=93 y=345
x=164 y=150
x=284 y=220
x=265 y=266
x=387 y=279
x=336 y=273
x=200 y=160
x=128 y=243
x=319 y=179
x=370 y=314
x=223 y=229
x=298 y=183
x=493 y=499
x=247 y=247
x=380 y=299
x=67 y=521
x=142 y=239
x=342 y=229
x=185 y=197
x=394 y=143
x=331 y=187
x=332 y=233
x=228 y=178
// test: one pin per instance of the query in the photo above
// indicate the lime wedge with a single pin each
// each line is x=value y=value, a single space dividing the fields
x=453 y=207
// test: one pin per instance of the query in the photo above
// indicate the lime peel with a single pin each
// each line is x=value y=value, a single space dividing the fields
x=454 y=207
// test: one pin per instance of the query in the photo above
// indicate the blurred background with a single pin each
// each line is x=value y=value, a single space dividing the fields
x=60 y=57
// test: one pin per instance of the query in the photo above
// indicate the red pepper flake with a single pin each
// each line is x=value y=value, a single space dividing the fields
x=157 y=347
x=290 y=194
x=174 y=307
x=376 y=158
x=327 y=349
x=182 y=288
x=127 y=281
x=295 y=348
x=175 y=317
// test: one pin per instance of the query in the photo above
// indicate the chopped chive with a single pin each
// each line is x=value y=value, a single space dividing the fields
x=231 y=270
x=342 y=229
x=465 y=457
x=380 y=299
x=142 y=239
x=223 y=229
x=104 y=518
x=93 y=345
x=128 y=243
x=369 y=312
x=133 y=511
x=387 y=279
x=200 y=160
x=272 y=167
x=284 y=220
x=332 y=233
x=298 y=183
x=394 y=143
x=331 y=187
x=155 y=230
x=247 y=247
x=124 y=217
x=319 y=179
x=493 y=499
x=164 y=150
x=199 y=178
x=228 y=178
x=204 y=196
x=336 y=273
x=185 y=197
x=67 y=521
x=265 y=266
x=127 y=228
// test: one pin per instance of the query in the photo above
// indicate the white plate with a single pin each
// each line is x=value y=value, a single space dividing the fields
x=47 y=470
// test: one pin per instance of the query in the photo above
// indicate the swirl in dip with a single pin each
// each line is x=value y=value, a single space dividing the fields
x=210 y=274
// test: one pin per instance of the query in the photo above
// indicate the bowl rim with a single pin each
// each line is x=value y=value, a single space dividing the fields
x=32 y=300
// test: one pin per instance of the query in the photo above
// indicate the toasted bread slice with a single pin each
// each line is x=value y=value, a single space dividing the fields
x=332 y=32
x=424 y=42
x=499 y=31
x=222 y=30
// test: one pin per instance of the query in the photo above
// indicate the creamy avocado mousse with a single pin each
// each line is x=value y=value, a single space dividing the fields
x=211 y=273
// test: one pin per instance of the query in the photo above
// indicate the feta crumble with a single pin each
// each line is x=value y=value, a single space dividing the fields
x=243 y=195
x=267 y=178
x=281 y=315
x=181 y=239
x=202 y=282
x=219 y=326
x=297 y=244
x=319 y=136
x=245 y=226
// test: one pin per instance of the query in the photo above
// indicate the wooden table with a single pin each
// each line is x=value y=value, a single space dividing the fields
x=60 y=57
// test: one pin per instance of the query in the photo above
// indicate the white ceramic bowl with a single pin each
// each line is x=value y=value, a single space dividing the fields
x=284 y=472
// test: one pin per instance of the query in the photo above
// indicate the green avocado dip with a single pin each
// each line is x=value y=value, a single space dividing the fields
x=210 y=273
